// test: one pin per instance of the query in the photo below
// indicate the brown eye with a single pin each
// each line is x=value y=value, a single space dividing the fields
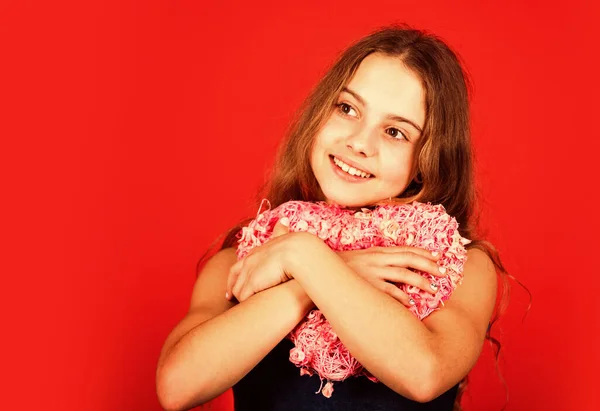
x=347 y=109
x=394 y=132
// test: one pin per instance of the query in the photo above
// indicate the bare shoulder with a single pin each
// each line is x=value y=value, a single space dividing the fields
x=474 y=299
x=211 y=284
x=221 y=261
x=208 y=297
x=458 y=329
x=479 y=268
x=479 y=259
x=225 y=257
x=479 y=285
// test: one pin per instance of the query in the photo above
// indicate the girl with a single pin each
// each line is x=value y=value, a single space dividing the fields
x=388 y=122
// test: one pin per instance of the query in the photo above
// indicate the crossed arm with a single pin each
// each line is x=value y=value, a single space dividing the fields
x=418 y=359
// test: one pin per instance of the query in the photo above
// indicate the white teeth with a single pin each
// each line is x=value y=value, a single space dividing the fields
x=350 y=170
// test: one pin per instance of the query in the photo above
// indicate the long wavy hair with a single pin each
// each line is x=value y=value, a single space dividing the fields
x=443 y=170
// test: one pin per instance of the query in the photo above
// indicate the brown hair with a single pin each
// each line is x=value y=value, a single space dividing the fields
x=444 y=168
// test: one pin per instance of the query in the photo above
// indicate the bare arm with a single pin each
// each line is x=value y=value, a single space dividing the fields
x=417 y=359
x=218 y=342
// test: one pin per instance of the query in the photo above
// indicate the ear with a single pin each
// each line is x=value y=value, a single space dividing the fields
x=281 y=227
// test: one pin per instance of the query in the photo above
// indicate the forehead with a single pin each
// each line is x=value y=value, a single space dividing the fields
x=388 y=87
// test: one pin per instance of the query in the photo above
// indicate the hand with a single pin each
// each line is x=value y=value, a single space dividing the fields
x=263 y=267
x=384 y=267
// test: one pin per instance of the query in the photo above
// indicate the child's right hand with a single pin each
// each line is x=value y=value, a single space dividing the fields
x=384 y=267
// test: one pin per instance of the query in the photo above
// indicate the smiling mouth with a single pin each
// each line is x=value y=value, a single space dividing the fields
x=348 y=169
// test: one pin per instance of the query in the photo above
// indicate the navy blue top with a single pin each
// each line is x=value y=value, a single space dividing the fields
x=275 y=384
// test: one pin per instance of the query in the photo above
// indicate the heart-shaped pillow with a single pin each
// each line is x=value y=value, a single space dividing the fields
x=417 y=224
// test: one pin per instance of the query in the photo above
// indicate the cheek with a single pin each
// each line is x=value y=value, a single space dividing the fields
x=396 y=167
x=318 y=150
x=333 y=131
x=317 y=146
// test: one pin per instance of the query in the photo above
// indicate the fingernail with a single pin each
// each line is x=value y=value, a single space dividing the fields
x=435 y=253
x=227 y=295
x=434 y=286
x=412 y=302
x=285 y=221
x=442 y=269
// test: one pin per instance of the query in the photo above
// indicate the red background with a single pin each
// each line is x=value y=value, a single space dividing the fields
x=133 y=133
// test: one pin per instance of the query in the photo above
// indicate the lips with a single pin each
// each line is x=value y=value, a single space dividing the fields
x=350 y=168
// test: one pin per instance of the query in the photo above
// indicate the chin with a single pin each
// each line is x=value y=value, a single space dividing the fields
x=347 y=200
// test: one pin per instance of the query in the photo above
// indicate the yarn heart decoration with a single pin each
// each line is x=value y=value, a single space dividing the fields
x=317 y=347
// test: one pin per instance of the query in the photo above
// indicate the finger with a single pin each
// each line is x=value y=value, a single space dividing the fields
x=406 y=276
x=397 y=294
x=246 y=291
x=416 y=261
x=243 y=288
x=281 y=227
x=237 y=288
x=234 y=272
x=432 y=255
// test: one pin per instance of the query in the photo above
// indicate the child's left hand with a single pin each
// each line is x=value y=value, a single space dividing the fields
x=265 y=266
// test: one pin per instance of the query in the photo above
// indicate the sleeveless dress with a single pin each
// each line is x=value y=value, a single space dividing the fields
x=275 y=384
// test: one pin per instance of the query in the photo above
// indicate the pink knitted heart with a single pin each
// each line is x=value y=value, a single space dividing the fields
x=417 y=224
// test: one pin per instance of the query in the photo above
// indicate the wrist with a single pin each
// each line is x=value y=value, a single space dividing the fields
x=303 y=247
x=304 y=303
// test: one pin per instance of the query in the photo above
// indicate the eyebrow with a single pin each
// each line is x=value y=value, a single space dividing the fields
x=389 y=116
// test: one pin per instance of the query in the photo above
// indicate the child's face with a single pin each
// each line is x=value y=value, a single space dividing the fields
x=374 y=128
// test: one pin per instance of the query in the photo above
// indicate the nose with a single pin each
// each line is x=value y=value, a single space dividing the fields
x=362 y=142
